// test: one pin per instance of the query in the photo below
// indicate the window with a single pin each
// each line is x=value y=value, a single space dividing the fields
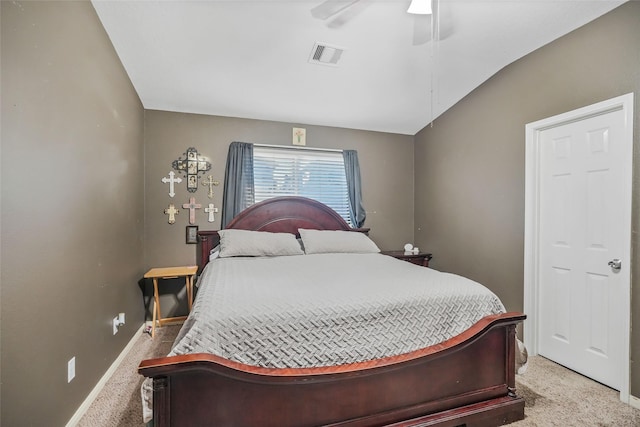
x=257 y=173
x=316 y=174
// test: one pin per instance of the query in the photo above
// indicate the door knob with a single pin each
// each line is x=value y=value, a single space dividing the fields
x=615 y=264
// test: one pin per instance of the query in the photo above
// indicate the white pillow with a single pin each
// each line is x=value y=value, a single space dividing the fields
x=257 y=243
x=336 y=241
x=214 y=253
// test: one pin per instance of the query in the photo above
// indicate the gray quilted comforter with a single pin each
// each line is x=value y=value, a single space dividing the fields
x=325 y=309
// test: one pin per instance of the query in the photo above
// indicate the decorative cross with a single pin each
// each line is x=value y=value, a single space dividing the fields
x=172 y=212
x=211 y=210
x=192 y=206
x=210 y=183
x=192 y=165
x=172 y=180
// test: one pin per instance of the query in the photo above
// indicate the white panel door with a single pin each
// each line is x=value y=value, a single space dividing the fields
x=582 y=228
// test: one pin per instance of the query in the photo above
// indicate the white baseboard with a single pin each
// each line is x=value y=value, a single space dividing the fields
x=634 y=401
x=100 y=385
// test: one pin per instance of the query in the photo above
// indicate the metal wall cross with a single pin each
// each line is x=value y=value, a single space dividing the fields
x=171 y=181
x=210 y=183
x=192 y=165
x=192 y=206
x=211 y=210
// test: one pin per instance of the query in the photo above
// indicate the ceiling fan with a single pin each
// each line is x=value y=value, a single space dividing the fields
x=337 y=13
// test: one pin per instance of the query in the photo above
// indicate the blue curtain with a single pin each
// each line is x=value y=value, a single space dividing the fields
x=238 y=181
x=354 y=186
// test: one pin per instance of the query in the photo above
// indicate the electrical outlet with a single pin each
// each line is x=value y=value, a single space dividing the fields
x=71 y=369
x=116 y=323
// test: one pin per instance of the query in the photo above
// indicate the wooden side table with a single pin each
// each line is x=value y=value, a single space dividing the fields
x=169 y=273
x=420 y=258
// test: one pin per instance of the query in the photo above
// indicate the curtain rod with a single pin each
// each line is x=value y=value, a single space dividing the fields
x=288 y=147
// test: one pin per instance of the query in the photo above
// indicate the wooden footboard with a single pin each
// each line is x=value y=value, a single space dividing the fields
x=468 y=380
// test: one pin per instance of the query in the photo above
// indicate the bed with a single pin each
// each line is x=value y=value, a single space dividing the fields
x=465 y=380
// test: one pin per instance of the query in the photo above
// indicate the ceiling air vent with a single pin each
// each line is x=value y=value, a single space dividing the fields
x=324 y=54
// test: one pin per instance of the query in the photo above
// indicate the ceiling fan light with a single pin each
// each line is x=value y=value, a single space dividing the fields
x=420 y=7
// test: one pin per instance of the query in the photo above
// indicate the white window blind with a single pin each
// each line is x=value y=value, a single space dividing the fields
x=315 y=174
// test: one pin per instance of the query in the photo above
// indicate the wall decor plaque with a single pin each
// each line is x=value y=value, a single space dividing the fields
x=192 y=234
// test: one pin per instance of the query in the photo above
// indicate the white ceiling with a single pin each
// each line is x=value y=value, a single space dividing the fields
x=249 y=59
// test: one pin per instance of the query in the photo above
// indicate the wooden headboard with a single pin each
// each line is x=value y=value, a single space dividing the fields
x=277 y=215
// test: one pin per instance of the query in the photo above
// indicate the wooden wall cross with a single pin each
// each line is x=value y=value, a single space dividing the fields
x=192 y=206
x=172 y=212
x=211 y=210
x=210 y=183
x=172 y=180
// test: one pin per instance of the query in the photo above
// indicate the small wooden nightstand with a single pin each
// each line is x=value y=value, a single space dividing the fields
x=420 y=258
x=169 y=273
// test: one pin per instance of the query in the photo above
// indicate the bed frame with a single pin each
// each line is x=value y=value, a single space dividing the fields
x=468 y=380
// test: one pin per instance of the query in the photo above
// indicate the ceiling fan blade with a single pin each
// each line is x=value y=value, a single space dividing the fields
x=329 y=8
x=356 y=8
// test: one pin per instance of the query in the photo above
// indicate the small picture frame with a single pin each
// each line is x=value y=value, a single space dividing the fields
x=299 y=136
x=192 y=183
x=192 y=167
x=192 y=234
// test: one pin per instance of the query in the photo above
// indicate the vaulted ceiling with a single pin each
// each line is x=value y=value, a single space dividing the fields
x=397 y=72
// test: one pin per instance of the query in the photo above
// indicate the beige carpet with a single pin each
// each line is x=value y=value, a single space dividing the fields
x=119 y=402
x=554 y=396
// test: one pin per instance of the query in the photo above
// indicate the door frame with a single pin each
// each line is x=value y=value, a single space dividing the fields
x=532 y=219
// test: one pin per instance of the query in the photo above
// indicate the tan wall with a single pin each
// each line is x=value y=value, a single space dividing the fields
x=72 y=208
x=385 y=160
x=470 y=165
x=70 y=113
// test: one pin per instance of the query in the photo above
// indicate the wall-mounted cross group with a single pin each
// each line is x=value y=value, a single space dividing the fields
x=171 y=211
x=191 y=166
